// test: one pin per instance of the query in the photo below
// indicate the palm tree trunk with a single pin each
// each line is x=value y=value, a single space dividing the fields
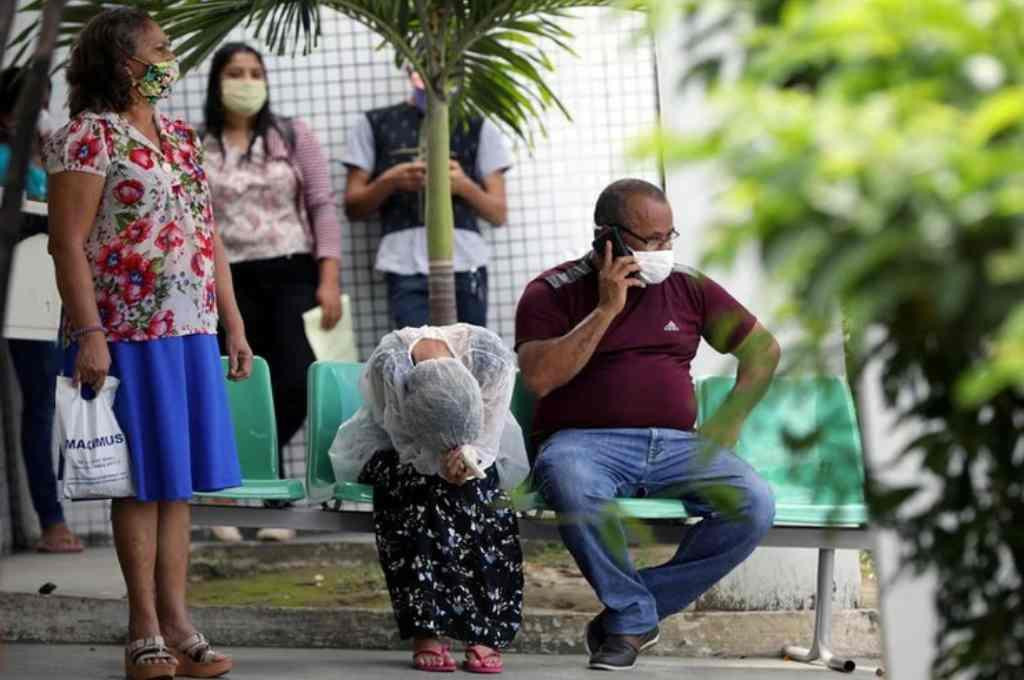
x=440 y=217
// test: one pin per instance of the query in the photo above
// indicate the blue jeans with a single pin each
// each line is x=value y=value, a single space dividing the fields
x=408 y=298
x=36 y=363
x=580 y=471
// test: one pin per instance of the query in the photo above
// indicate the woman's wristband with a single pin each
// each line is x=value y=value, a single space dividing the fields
x=76 y=334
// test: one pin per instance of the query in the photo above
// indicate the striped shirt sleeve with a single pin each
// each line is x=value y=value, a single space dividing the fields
x=317 y=192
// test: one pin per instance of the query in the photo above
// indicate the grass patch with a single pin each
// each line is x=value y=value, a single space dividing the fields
x=354 y=584
x=556 y=582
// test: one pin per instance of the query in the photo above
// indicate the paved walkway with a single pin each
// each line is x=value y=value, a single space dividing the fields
x=93 y=573
x=44 y=662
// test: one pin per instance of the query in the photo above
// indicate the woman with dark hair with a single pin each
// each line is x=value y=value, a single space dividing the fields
x=36 y=362
x=144 y=279
x=273 y=204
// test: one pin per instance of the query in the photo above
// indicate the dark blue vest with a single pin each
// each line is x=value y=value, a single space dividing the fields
x=396 y=132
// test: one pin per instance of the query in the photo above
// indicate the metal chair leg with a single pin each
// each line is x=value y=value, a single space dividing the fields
x=821 y=645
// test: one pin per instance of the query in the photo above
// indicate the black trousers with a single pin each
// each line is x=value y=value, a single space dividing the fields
x=272 y=295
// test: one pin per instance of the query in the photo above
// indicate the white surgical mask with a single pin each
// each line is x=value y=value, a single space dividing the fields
x=242 y=96
x=655 y=265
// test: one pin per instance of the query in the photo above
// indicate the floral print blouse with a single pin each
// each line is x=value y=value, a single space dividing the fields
x=152 y=242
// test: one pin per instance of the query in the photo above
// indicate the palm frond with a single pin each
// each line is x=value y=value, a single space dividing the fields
x=493 y=52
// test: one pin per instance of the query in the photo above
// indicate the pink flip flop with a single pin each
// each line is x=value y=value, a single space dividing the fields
x=435 y=653
x=478 y=662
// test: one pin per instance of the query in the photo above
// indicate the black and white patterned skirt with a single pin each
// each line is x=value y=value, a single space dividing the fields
x=450 y=554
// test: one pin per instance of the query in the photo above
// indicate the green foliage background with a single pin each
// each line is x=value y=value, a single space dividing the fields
x=874 y=150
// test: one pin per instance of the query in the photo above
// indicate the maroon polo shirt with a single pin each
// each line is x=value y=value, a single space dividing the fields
x=639 y=375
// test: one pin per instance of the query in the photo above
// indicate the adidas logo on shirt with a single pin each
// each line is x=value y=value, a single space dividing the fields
x=671 y=327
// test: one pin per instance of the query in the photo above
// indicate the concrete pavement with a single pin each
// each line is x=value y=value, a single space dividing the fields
x=87 y=607
x=45 y=662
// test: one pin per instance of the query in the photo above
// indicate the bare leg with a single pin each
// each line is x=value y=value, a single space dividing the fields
x=135 y=527
x=173 y=540
x=135 y=531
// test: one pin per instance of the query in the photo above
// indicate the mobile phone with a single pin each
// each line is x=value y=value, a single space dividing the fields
x=619 y=248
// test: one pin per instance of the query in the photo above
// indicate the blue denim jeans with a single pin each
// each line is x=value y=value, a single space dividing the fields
x=36 y=363
x=409 y=305
x=580 y=471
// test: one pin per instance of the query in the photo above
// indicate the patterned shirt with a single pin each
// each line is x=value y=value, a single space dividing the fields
x=151 y=245
x=277 y=203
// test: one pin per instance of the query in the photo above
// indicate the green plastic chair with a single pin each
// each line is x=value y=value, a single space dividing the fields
x=252 y=414
x=334 y=397
x=820 y=482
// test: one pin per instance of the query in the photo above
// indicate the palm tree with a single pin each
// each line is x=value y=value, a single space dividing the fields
x=476 y=57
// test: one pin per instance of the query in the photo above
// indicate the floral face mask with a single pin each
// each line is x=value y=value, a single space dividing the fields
x=155 y=84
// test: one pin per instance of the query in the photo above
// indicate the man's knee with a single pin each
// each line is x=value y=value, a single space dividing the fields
x=569 y=482
x=759 y=506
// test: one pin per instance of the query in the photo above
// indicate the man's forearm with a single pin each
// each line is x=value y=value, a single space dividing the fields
x=753 y=378
x=363 y=201
x=549 y=364
x=490 y=207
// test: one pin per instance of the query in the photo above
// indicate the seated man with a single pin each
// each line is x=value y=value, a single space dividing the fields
x=606 y=343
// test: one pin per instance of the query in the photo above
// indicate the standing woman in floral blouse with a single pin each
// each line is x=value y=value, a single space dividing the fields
x=275 y=210
x=143 y=276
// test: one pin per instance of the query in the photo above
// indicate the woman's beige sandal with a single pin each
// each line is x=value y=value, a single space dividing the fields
x=149 y=659
x=196 y=659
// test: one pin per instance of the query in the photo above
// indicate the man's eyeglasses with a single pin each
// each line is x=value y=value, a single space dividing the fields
x=653 y=243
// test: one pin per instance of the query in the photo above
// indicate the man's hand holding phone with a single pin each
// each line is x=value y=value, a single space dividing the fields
x=615 y=278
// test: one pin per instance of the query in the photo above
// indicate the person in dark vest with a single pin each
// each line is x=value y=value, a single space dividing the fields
x=386 y=176
x=606 y=342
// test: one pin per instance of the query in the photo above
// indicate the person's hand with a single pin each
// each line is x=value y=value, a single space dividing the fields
x=453 y=468
x=614 y=280
x=328 y=296
x=720 y=433
x=459 y=182
x=239 y=356
x=93 y=361
x=410 y=176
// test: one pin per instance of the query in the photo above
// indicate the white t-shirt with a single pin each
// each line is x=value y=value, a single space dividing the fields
x=405 y=252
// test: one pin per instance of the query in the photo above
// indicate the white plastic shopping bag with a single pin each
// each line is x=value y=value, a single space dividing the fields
x=337 y=344
x=93 y=447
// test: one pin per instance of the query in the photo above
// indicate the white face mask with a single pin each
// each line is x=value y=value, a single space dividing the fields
x=243 y=96
x=655 y=265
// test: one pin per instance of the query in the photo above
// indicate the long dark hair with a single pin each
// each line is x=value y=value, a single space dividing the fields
x=213 y=110
x=97 y=78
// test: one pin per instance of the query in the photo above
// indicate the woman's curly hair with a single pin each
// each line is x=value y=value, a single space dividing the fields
x=97 y=80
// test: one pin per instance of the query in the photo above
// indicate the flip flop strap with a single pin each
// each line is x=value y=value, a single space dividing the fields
x=197 y=648
x=148 y=648
x=482 y=658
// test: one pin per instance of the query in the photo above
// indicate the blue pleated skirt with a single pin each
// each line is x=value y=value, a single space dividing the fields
x=172 y=406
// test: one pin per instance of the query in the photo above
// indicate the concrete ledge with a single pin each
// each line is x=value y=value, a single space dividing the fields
x=57 y=619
